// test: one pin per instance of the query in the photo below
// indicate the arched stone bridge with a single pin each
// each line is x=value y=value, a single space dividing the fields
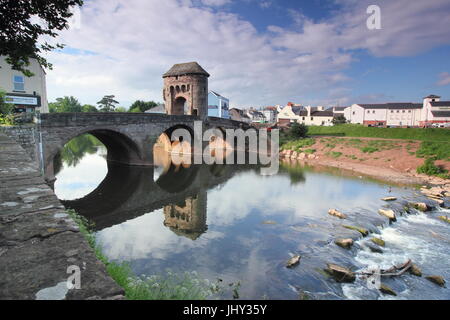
x=128 y=137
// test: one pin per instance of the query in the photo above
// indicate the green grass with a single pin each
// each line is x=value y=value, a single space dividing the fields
x=353 y=130
x=186 y=286
x=334 y=154
x=369 y=149
x=437 y=150
x=297 y=145
x=309 y=151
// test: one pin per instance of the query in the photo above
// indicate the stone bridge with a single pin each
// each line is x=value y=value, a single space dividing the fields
x=128 y=137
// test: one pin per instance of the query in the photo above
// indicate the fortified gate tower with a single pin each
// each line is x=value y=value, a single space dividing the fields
x=186 y=90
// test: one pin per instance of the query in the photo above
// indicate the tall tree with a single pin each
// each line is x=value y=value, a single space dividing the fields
x=66 y=104
x=107 y=104
x=23 y=22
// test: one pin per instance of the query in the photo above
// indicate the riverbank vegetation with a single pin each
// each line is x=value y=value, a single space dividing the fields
x=171 y=286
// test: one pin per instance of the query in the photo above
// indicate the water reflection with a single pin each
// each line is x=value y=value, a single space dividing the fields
x=211 y=219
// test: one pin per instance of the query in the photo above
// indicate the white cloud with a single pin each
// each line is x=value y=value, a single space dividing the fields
x=444 y=79
x=215 y=3
x=135 y=42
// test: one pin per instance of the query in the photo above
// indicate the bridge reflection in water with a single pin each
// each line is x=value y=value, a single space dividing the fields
x=128 y=192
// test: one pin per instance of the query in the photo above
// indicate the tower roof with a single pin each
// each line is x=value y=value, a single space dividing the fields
x=181 y=69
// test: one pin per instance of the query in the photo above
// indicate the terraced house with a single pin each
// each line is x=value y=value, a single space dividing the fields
x=308 y=115
x=401 y=114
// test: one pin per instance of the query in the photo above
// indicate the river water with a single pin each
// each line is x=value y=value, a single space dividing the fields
x=231 y=223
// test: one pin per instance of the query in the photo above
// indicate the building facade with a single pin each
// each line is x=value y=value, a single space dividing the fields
x=27 y=94
x=239 y=115
x=218 y=105
x=310 y=116
x=431 y=111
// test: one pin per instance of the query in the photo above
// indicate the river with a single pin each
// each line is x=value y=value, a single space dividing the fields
x=228 y=222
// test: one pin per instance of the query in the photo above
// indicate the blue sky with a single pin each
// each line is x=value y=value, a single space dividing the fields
x=258 y=52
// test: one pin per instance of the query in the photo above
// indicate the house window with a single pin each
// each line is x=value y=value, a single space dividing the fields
x=354 y=112
x=398 y=111
x=409 y=111
x=373 y=111
x=392 y=111
x=403 y=111
x=303 y=118
x=368 y=111
x=19 y=83
x=312 y=118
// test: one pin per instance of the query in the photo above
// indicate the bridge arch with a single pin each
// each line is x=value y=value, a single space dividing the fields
x=120 y=147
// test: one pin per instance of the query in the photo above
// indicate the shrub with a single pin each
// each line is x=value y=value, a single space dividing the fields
x=298 y=130
x=430 y=169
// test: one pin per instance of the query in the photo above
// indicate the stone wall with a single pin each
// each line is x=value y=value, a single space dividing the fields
x=27 y=136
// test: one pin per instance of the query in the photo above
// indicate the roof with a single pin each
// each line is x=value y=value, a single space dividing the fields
x=396 y=105
x=441 y=114
x=339 y=108
x=325 y=113
x=432 y=96
x=440 y=104
x=185 y=68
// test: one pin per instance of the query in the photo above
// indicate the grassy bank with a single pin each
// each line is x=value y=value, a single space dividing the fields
x=353 y=130
x=171 y=286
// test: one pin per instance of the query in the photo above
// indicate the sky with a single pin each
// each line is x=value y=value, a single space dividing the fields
x=258 y=52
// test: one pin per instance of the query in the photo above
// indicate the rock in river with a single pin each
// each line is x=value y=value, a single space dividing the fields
x=292 y=262
x=415 y=270
x=378 y=241
x=388 y=213
x=422 y=206
x=437 y=280
x=389 y=199
x=340 y=274
x=344 y=243
x=363 y=231
x=387 y=290
x=445 y=219
x=337 y=213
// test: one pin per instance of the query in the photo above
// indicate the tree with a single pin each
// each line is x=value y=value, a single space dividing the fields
x=340 y=119
x=66 y=104
x=88 y=108
x=298 y=130
x=107 y=104
x=20 y=31
x=121 y=109
x=142 y=106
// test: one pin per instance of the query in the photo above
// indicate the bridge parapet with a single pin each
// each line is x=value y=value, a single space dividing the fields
x=110 y=118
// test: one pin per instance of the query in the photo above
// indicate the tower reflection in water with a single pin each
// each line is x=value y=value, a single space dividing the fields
x=179 y=189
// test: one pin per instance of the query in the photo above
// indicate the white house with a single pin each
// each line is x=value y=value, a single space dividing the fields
x=310 y=116
x=400 y=114
x=27 y=94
